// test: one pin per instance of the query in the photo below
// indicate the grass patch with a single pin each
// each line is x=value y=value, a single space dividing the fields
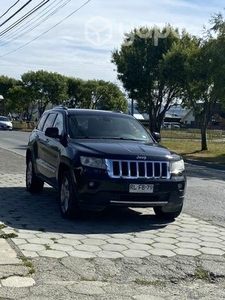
x=201 y=274
x=47 y=247
x=190 y=149
x=28 y=264
x=2 y=226
x=153 y=283
x=8 y=235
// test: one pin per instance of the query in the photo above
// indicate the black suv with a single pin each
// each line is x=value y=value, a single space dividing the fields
x=96 y=159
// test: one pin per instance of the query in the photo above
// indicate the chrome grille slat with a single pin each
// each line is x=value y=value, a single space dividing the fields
x=131 y=169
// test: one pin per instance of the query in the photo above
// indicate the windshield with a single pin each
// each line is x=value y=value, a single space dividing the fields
x=4 y=119
x=111 y=127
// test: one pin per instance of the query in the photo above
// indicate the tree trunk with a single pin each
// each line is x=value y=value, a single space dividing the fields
x=204 y=138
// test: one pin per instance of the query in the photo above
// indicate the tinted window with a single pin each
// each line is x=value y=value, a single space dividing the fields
x=49 y=121
x=41 y=122
x=113 y=126
x=59 y=123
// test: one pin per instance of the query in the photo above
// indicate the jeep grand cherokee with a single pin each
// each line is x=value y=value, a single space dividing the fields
x=96 y=159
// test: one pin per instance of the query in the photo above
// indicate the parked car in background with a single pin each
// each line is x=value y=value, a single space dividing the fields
x=96 y=159
x=5 y=123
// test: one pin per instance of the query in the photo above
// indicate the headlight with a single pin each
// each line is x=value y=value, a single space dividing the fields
x=177 y=167
x=93 y=162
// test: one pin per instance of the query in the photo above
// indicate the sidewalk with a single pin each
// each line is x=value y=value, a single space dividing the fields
x=125 y=254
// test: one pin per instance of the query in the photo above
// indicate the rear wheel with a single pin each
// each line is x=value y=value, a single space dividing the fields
x=68 y=203
x=33 y=184
x=166 y=215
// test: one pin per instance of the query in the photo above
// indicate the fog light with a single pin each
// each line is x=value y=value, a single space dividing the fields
x=91 y=184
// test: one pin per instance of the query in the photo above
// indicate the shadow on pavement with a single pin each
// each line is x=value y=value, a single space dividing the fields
x=21 y=210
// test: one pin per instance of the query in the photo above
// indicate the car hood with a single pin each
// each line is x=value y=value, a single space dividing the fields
x=114 y=148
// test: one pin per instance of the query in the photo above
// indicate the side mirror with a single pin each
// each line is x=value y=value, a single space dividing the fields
x=52 y=132
x=156 y=136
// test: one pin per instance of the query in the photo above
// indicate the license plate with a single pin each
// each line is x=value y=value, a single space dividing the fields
x=141 y=188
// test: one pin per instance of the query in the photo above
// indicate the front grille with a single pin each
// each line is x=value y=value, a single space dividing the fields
x=137 y=169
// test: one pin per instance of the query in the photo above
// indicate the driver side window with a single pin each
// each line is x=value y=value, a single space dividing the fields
x=49 y=121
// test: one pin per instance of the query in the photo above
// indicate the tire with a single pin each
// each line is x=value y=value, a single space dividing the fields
x=68 y=203
x=166 y=215
x=33 y=184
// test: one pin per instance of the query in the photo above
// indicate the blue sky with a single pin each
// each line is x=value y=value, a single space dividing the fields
x=81 y=44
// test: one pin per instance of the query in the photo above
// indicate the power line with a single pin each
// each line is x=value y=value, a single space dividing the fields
x=16 y=12
x=9 y=9
x=33 y=10
x=80 y=7
x=28 y=29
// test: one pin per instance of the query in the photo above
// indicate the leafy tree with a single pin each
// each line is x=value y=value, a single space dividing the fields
x=45 y=88
x=201 y=63
x=140 y=67
x=96 y=94
x=5 y=84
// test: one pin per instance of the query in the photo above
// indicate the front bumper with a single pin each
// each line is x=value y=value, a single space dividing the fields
x=98 y=192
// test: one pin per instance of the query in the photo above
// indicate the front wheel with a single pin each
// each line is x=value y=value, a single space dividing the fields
x=33 y=184
x=68 y=203
x=166 y=215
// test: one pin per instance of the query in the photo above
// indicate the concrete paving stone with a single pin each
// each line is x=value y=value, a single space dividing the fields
x=98 y=236
x=119 y=241
x=52 y=253
x=208 y=228
x=113 y=247
x=94 y=242
x=222 y=237
x=88 y=248
x=161 y=252
x=81 y=254
x=67 y=241
x=41 y=241
x=49 y=235
x=18 y=282
x=145 y=235
x=208 y=234
x=163 y=246
x=136 y=246
x=187 y=252
x=72 y=236
x=121 y=236
x=212 y=251
x=165 y=240
x=186 y=245
x=167 y=235
x=61 y=247
x=188 y=239
x=210 y=239
x=31 y=254
x=18 y=241
x=135 y=253
x=109 y=254
x=143 y=241
x=7 y=254
x=212 y=245
x=32 y=247
x=187 y=234
x=172 y=227
x=25 y=235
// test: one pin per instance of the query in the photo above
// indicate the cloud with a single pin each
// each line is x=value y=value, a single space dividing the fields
x=81 y=45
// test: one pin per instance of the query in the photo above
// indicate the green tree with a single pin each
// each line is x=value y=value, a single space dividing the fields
x=95 y=94
x=45 y=88
x=201 y=66
x=141 y=69
x=6 y=83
